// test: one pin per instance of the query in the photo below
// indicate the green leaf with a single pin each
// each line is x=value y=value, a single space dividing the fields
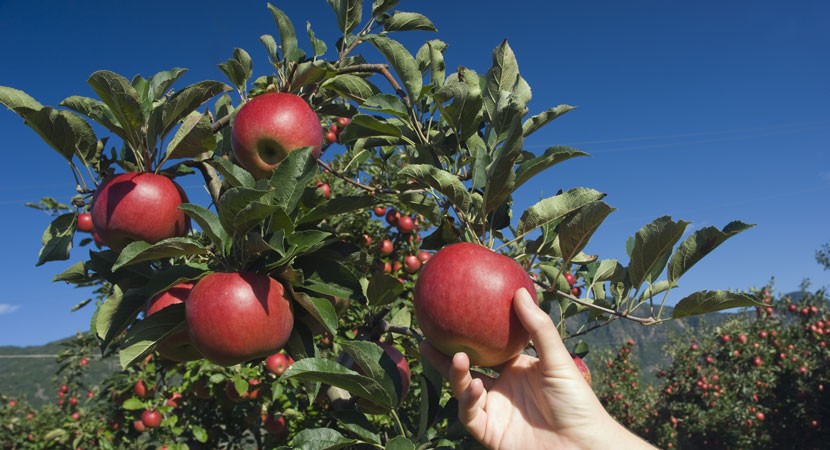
x=199 y=433
x=271 y=47
x=76 y=273
x=310 y=72
x=193 y=138
x=57 y=239
x=238 y=69
x=431 y=56
x=161 y=82
x=364 y=126
x=539 y=120
x=465 y=112
x=335 y=206
x=97 y=111
x=349 y=13
x=142 y=337
x=553 y=155
x=288 y=35
x=357 y=424
x=124 y=102
x=652 y=245
x=133 y=404
x=15 y=100
x=607 y=269
x=556 y=208
x=501 y=176
x=382 y=289
x=209 y=223
x=318 y=45
x=140 y=251
x=330 y=372
x=442 y=181
x=700 y=244
x=406 y=21
x=234 y=175
x=402 y=62
x=710 y=301
x=321 y=438
x=657 y=288
x=387 y=104
x=64 y=131
x=502 y=77
x=117 y=312
x=291 y=177
x=381 y=6
x=173 y=275
x=320 y=308
x=375 y=364
x=576 y=231
x=351 y=86
x=183 y=103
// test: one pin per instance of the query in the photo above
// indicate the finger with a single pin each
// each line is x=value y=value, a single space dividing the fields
x=549 y=346
x=471 y=409
x=442 y=363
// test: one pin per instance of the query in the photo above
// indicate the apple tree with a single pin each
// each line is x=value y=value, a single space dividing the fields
x=328 y=228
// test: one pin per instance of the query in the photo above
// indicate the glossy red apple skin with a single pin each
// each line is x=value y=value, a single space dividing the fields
x=269 y=127
x=464 y=303
x=85 y=222
x=275 y=425
x=177 y=346
x=583 y=368
x=278 y=363
x=405 y=224
x=138 y=206
x=411 y=263
x=151 y=418
x=236 y=317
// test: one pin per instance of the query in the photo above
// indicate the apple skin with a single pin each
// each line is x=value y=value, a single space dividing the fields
x=269 y=127
x=583 y=368
x=177 y=346
x=85 y=223
x=278 y=363
x=236 y=317
x=386 y=247
x=464 y=303
x=405 y=224
x=139 y=426
x=138 y=206
x=275 y=426
x=411 y=263
x=151 y=418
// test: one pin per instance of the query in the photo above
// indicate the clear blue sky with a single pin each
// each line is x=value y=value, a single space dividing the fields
x=708 y=111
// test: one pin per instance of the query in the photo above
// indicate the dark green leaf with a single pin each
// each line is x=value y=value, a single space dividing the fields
x=142 y=337
x=161 y=82
x=140 y=251
x=64 y=131
x=234 y=175
x=501 y=176
x=271 y=47
x=335 y=206
x=363 y=126
x=382 y=289
x=117 y=312
x=375 y=364
x=555 y=208
x=288 y=35
x=208 y=222
x=387 y=104
x=553 y=155
x=76 y=273
x=545 y=117
x=357 y=424
x=57 y=239
x=291 y=177
x=95 y=110
x=431 y=56
x=351 y=86
x=402 y=62
x=183 y=103
x=349 y=13
x=238 y=69
x=576 y=230
x=321 y=438
x=700 y=244
x=405 y=21
x=194 y=137
x=381 y=6
x=15 y=100
x=710 y=301
x=318 y=45
x=330 y=372
x=309 y=73
x=123 y=100
x=581 y=349
x=652 y=246
x=502 y=77
x=319 y=308
x=465 y=112
x=442 y=181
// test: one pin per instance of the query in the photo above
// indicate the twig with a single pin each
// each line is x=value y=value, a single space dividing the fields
x=624 y=315
x=370 y=189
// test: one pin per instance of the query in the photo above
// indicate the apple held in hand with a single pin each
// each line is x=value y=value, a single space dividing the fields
x=583 y=368
x=464 y=303
x=138 y=206
x=176 y=346
x=269 y=127
x=235 y=317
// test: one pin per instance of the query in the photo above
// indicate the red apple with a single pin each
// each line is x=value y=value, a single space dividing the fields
x=570 y=278
x=151 y=418
x=76 y=416
x=343 y=122
x=411 y=263
x=325 y=189
x=380 y=211
x=583 y=368
x=392 y=216
x=277 y=363
x=423 y=256
x=85 y=222
x=139 y=426
x=396 y=265
x=138 y=206
x=275 y=425
x=236 y=317
x=269 y=127
x=174 y=400
x=386 y=247
x=331 y=137
x=464 y=303
x=177 y=346
x=405 y=224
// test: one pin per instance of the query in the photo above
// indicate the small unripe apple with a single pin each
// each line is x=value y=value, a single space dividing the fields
x=269 y=127
x=411 y=263
x=176 y=346
x=138 y=206
x=464 y=303
x=236 y=317
x=386 y=247
x=151 y=418
x=405 y=224
x=85 y=222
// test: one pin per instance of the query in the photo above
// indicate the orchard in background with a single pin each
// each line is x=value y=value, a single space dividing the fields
x=398 y=160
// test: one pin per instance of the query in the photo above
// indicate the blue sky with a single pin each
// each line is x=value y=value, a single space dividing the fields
x=706 y=111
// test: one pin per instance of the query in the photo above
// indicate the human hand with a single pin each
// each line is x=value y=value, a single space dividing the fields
x=534 y=403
